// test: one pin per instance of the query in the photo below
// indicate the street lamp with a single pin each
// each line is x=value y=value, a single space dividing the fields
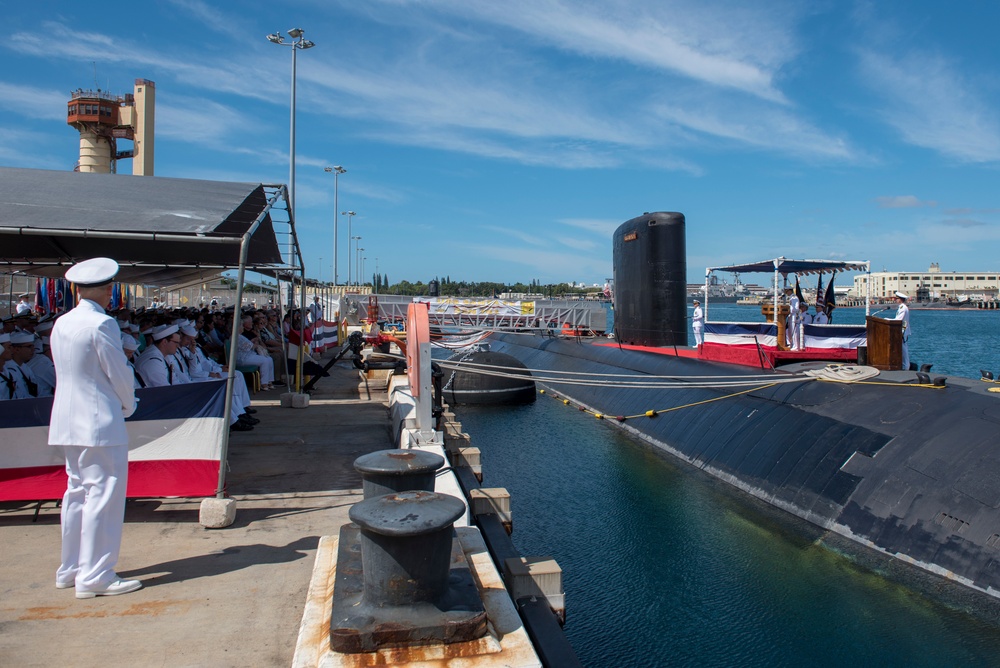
x=337 y=171
x=357 y=243
x=363 y=277
x=298 y=42
x=350 y=218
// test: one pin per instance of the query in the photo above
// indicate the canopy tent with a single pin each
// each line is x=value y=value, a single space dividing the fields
x=783 y=266
x=160 y=230
x=786 y=266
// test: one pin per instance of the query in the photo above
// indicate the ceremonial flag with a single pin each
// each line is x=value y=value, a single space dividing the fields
x=38 y=295
x=819 y=293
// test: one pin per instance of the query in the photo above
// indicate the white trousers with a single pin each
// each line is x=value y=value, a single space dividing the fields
x=93 y=513
x=699 y=334
x=265 y=363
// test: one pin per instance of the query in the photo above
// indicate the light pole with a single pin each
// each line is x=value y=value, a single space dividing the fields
x=363 y=258
x=298 y=42
x=337 y=171
x=350 y=218
x=357 y=243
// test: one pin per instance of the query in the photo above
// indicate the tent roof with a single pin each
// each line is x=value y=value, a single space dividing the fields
x=798 y=267
x=160 y=230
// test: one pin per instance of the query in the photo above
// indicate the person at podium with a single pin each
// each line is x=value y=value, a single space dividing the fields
x=903 y=313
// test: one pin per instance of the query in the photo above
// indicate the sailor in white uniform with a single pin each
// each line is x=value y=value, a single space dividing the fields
x=22 y=346
x=156 y=364
x=93 y=397
x=41 y=362
x=903 y=313
x=6 y=382
x=201 y=369
x=792 y=322
x=698 y=324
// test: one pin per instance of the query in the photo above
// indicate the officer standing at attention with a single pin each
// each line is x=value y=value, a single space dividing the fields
x=903 y=313
x=698 y=324
x=93 y=397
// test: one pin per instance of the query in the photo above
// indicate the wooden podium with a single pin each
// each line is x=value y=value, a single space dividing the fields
x=767 y=310
x=885 y=343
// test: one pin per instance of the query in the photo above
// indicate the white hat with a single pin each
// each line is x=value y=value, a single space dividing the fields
x=44 y=326
x=20 y=337
x=129 y=343
x=133 y=328
x=93 y=272
x=695 y=302
x=163 y=331
x=123 y=324
x=188 y=330
x=4 y=337
x=901 y=295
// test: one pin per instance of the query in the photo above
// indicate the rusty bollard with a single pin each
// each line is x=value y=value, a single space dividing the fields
x=388 y=471
x=409 y=583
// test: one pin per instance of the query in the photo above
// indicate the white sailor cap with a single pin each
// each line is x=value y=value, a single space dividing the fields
x=44 y=326
x=188 y=330
x=129 y=343
x=123 y=324
x=132 y=328
x=902 y=295
x=20 y=337
x=163 y=331
x=92 y=273
x=4 y=338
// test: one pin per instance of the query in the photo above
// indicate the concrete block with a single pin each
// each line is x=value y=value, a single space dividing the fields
x=495 y=500
x=492 y=501
x=286 y=399
x=217 y=513
x=539 y=577
x=469 y=457
x=300 y=400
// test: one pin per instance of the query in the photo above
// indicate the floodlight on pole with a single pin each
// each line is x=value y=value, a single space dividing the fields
x=298 y=42
x=350 y=218
x=336 y=170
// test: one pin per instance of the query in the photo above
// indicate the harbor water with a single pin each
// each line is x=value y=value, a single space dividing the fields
x=666 y=566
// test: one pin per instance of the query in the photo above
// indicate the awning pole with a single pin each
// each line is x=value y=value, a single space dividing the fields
x=227 y=415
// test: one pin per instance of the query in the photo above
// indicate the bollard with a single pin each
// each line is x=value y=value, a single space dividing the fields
x=402 y=579
x=406 y=545
x=389 y=471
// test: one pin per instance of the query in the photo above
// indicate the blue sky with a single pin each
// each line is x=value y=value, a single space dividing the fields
x=505 y=141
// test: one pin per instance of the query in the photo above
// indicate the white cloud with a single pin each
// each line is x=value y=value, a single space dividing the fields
x=902 y=202
x=725 y=44
x=932 y=102
x=33 y=102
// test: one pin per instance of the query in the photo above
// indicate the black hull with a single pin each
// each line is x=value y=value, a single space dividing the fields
x=911 y=472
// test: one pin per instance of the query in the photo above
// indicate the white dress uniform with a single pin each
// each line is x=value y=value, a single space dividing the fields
x=245 y=355
x=698 y=325
x=199 y=370
x=157 y=370
x=792 y=323
x=45 y=373
x=903 y=313
x=23 y=379
x=93 y=397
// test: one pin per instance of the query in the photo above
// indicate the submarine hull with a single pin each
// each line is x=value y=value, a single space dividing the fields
x=909 y=471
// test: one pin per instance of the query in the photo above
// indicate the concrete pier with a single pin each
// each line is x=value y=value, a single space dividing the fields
x=219 y=597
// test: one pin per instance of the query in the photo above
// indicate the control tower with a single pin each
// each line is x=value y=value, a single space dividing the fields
x=102 y=119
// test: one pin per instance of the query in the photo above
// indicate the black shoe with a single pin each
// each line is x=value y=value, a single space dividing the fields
x=249 y=420
x=249 y=410
x=240 y=425
x=277 y=383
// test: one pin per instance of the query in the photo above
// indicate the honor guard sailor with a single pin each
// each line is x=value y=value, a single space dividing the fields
x=93 y=397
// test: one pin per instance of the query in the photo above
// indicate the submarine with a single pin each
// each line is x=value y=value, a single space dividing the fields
x=890 y=459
